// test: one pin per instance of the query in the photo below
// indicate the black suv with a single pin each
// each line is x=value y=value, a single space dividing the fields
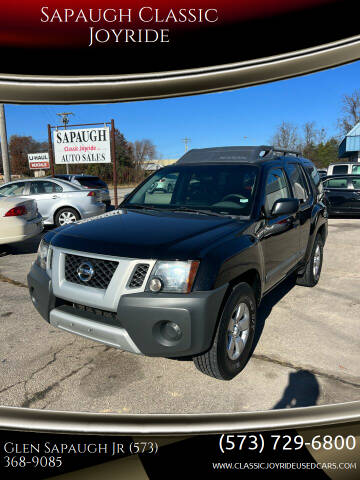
x=180 y=273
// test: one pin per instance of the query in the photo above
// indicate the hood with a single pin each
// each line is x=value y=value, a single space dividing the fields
x=144 y=234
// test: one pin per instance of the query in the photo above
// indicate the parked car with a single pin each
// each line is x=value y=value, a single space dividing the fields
x=184 y=278
x=89 y=181
x=346 y=168
x=19 y=219
x=165 y=184
x=322 y=172
x=342 y=194
x=59 y=202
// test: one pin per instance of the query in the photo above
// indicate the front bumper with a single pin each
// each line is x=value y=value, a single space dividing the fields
x=140 y=324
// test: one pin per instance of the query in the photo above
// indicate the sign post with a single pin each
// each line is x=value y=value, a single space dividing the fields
x=51 y=152
x=113 y=156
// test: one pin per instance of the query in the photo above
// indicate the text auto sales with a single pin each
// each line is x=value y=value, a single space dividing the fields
x=145 y=15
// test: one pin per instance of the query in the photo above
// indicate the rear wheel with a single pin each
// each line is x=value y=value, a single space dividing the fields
x=234 y=337
x=312 y=272
x=65 y=216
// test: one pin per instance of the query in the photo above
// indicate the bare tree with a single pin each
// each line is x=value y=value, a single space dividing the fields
x=310 y=133
x=351 y=112
x=141 y=151
x=286 y=136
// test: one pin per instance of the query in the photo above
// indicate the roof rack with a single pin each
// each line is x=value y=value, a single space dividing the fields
x=238 y=154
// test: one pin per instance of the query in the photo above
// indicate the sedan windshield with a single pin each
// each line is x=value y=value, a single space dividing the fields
x=208 y=189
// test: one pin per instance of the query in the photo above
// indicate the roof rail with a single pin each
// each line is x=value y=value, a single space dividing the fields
x=234 y=154
x=284 y=151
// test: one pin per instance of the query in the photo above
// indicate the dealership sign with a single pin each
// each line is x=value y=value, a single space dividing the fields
x=38 y=161
x=90 y=145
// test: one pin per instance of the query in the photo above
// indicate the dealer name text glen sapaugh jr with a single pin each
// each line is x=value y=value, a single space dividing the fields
x=144 y=16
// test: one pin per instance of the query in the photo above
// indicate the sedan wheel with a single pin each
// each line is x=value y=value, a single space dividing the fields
x=66 y=216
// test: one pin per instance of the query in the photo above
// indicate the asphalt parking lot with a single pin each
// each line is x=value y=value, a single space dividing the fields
x=307 y=349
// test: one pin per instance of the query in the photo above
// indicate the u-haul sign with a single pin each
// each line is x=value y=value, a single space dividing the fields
x=90 y=145
x=38 y=161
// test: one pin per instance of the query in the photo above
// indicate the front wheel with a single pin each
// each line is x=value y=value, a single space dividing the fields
x=234 y=336
x=311 y=275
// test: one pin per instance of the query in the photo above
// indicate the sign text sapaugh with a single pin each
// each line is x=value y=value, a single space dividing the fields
x=144 y=17
x=90 y=145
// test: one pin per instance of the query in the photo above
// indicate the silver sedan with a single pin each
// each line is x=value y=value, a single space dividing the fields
x=59 y=202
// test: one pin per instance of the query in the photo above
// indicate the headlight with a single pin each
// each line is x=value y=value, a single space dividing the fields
x=43 y=252
x=173 y=276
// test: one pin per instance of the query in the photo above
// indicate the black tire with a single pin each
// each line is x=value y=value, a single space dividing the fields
x=216 y=362
x=71 y=212
x=311 y=275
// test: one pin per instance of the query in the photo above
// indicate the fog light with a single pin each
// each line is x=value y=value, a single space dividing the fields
x=155 y=284
x=171 y=331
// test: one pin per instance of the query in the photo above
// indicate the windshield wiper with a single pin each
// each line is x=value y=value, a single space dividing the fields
x=139 y=206
x=198 y=211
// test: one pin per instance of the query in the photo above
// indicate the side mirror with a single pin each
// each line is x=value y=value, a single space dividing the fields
x=285 y=206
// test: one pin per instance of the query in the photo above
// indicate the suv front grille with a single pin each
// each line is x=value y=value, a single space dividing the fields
x=103 y=271
x=138 y=276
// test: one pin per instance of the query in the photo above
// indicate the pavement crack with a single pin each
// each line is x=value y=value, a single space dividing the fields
x=41 y=394
x=314 y=371
x=11 y=386
x=11 y=281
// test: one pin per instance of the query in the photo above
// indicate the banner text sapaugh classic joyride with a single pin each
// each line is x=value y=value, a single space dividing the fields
x=145 y=16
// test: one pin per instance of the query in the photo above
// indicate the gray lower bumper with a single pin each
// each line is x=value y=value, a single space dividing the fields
x=109 y=335
x=141 y=321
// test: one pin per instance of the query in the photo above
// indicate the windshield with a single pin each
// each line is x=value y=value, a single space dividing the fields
x=224 y=189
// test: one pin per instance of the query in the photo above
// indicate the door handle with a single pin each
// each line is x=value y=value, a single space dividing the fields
x=55 y=196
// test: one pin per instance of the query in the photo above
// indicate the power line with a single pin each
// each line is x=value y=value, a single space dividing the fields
x=186 y=141
x=65 y=119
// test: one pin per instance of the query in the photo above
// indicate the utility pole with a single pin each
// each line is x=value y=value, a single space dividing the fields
x=4 y=145
x=65 y=119
x=186 y=141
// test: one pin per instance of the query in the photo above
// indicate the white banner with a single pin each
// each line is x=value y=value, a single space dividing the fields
x=38 y=161
x=89 y=145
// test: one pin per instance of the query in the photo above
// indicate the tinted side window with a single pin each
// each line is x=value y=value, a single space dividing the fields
x=356 y=182
x=57 y=188
x=37 y=188
x=356 y=169
x=340 y=169
x=298 y=182
x=276 y=188
x=12 y=189
x=314 y=176
x=336 y=183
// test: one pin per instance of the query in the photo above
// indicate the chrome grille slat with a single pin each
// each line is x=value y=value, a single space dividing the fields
x=104 y=270
x=138 y=276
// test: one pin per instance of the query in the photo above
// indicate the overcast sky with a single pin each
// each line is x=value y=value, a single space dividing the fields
x=208 y=120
